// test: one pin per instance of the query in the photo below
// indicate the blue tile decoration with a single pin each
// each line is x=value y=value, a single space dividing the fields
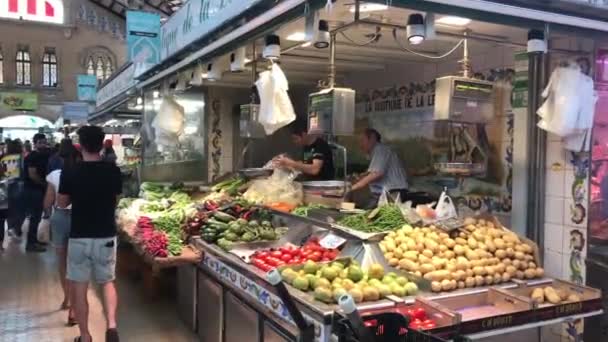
x=260 y=294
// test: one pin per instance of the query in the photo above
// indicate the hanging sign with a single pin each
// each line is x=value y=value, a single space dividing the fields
x=118 y=85
x=143 y=40
x=19 y=101
x=196 y=19
x=75 y=112
x=87 y=87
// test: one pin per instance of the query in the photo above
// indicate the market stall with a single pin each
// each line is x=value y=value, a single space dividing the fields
x=281 y=258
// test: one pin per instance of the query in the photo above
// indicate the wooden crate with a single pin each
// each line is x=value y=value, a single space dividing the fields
x=591 y=299
x=486 y=310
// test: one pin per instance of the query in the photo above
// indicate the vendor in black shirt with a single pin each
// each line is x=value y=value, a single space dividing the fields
x=318 y=161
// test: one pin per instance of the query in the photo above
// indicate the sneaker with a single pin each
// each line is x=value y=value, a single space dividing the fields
x=112 y=335
x=35 y=248
x=14 y=235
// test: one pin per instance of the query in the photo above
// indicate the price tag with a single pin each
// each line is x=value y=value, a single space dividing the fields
x=331 y=241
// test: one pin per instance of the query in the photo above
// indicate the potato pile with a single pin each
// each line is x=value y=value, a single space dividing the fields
x=480 y=254
x=549 y=294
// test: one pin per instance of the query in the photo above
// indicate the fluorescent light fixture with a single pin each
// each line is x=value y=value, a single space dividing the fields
x=366 y=7
x=451 y=20
x=297 y=36
x=155 y=94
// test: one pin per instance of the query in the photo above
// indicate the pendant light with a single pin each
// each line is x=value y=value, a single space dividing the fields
x=415 y=29
x=272 y=50
x=322 y=36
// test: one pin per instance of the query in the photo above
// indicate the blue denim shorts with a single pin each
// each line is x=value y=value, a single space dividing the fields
x=61 y=220
x=92 y=259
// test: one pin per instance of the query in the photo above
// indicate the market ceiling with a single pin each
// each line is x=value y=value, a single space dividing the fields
x=119 y=7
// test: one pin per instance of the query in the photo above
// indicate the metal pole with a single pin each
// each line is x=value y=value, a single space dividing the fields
x=332 y=61
x=537 y=146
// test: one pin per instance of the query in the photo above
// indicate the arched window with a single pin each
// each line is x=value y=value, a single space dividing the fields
x=100 y=69
x=109 y=68
x=1 y=67
x=24 y=67
x=90 y=66
x=99 y=61
x=49 y=68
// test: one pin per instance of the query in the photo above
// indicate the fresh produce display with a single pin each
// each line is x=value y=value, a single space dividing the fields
x=230 y=186
x=550 y=295
x=480 y=254
x=156 y=242
x=382 y=219
x=281 y=206
x=239 y=223
x=418 y=319
x=290 y=255
x=329 y=282
x=304 y=209
x=156 y=192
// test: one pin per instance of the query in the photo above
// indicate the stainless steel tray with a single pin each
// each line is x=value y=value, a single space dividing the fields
x=256 y=173
x=323 y=185
x=464 y=169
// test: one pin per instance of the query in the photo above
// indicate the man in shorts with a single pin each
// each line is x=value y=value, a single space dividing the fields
x=92 y=188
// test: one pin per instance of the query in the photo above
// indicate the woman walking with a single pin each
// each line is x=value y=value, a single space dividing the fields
x=61 y=219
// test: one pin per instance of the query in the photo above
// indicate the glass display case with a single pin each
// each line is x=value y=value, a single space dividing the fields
x=174 y=133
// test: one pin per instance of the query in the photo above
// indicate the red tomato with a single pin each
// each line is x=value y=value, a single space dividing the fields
x=262 y=255
x=305 y=254
x=280 y=263
x=266 y=267
x=272 y=261
x=315 y=257
x=419 y=313
x=428 y=326
x=276 y=254
x=296 y=260
x=326 y=259
x=296 y=252
x=286 y=257
x=410 y=314
x=258 y=263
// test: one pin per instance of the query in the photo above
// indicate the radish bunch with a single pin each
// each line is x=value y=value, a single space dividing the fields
x=154 y=242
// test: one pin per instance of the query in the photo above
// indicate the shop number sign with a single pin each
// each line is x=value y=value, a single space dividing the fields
x=331 y=241
x=195 y=20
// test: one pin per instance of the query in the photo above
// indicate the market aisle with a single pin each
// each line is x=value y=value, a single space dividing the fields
x=30 y=296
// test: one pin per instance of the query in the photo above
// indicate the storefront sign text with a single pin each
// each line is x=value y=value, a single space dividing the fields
x=195 y=20
x=120 y=84
x=398 y=99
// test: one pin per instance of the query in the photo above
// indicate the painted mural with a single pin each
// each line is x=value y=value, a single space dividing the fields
x=404 y=117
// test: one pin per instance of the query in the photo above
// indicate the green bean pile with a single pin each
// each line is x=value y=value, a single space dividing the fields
x=389 y=217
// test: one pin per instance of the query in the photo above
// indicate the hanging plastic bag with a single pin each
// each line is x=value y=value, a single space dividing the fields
x=384 y=198
x=276 y=109
x=279 y=187
x=44 y=231
x=445 y=208
x=170 y=117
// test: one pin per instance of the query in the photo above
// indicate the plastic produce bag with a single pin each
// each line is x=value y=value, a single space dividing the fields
x=279 y=187
x=276 y=110
x=170 y=117
x=44 y=231
x=445 y=208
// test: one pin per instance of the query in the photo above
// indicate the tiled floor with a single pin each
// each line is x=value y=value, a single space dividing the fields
x=30 y=296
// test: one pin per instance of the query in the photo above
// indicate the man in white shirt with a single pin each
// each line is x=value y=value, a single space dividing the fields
x=385 y=171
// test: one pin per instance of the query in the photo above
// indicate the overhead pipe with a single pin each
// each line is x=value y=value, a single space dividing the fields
x=331 y=81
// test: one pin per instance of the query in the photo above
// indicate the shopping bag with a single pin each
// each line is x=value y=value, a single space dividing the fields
x=445 y=208
x=44 y=231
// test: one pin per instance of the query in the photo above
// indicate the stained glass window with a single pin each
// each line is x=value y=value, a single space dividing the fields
x=109 y=68
x=99 y=69
x=24 y=65
x=49 y=68
x=90 y=66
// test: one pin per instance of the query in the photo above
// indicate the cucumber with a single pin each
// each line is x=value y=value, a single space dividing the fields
x=223 y=216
